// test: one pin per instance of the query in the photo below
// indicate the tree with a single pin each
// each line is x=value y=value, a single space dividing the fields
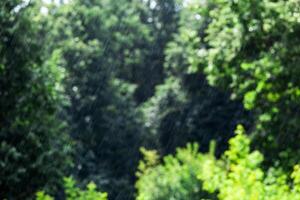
x=185 y=108
x=252 y=49
x=34 y=147
x=99 y=41
x=161 y=19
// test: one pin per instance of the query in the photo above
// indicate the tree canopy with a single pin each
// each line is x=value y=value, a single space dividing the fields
x=127 y=97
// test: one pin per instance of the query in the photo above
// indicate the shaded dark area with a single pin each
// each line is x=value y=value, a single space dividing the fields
x=208 y=114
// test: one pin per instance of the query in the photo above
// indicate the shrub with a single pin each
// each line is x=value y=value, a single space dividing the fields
x=74 y=193
x=175 y=178
x=236 y=175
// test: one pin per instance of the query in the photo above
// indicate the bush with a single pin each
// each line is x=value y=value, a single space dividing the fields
x=236 y=175
x=74 y=193
x=175 y=179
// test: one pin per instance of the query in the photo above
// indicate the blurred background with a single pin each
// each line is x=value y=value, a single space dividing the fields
x=149 y=99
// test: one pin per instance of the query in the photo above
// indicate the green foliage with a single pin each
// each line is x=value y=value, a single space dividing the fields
x=236 y=175
x=74 y=193
x=175 y=178
x=168 y=97
x=43 y=196
x=111 y=76
x=100 y=44
x=34 y=146
x=161 y=18
x=251 y=47
x=184 y=108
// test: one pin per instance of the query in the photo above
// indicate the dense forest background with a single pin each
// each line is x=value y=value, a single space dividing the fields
x=149 y=99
